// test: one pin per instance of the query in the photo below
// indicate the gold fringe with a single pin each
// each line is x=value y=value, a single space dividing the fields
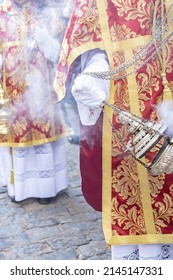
x=167 y=93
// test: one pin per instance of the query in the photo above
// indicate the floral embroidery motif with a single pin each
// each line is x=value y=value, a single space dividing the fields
x=163 y=214
x=148 y=83
x=156 y=184
x=121 y=32
x=116 y=145
x=125 y=181
x=131 y=10
x=87 y=26
x=127 y=219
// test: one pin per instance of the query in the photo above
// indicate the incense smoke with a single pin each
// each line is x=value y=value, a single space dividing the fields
x=165 y=110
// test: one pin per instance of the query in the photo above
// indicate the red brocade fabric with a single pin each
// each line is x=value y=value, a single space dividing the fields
x=137 y=207
x=91 y=164
x=34 y=118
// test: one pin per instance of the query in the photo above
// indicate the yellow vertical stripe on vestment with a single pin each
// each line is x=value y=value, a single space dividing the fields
x=107 y=133
x=142 y=172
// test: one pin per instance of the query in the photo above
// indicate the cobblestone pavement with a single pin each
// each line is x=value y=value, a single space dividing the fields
x=66 y=229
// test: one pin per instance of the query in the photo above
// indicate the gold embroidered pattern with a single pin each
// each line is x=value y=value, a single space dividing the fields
x=116 y=145
x=140 y=11
x=125 y=181
x=127 y=219
x=119 y=32
x=148 y=83
x=90 y=26
x=156 y=184
x=163 y=213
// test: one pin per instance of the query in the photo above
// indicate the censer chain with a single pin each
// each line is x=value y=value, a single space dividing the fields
x=137 y=119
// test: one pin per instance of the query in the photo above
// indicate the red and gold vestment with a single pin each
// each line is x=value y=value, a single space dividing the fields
x=137 y=207
x=27 y=78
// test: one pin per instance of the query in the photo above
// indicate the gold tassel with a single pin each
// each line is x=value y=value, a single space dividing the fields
x=167 y=93
x=12 y=177
x=12 y=170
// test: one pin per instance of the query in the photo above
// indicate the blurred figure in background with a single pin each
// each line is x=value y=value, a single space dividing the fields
x=32 y=153
x=68 y=104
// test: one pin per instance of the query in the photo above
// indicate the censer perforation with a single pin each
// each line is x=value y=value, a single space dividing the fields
x=144 y=136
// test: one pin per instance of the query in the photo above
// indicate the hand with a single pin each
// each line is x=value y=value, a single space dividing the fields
x=86 y=92
x=47 y=44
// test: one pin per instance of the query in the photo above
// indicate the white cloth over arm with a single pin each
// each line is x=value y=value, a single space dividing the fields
x=90 y=92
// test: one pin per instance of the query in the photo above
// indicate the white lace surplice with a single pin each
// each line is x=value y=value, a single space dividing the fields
x=39 y=171
x=142 y=252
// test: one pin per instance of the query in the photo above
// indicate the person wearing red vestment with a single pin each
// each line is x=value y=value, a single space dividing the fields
x=32 y=150
x=125 y=49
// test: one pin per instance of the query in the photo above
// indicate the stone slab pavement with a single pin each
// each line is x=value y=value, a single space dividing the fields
x=66 y=229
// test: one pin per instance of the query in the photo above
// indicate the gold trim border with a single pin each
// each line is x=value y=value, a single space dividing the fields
x=141 y=239
x=33 y=143
x=125 y=46
x=142 y=172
